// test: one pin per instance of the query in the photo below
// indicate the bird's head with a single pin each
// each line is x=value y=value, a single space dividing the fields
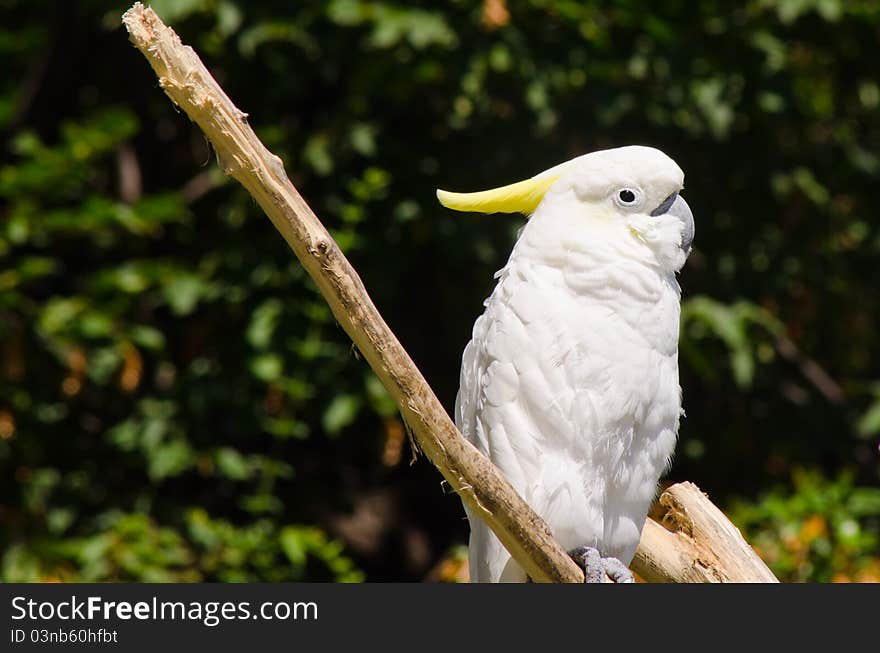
x=624 y=193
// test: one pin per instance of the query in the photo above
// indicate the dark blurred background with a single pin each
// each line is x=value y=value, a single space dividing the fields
x=176 y=400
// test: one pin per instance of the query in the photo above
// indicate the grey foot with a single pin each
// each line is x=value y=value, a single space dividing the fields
x=617 y=571
x=596 y=567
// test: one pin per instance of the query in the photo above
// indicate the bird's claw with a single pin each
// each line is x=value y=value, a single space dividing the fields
x=617 y=571
x=596 y=567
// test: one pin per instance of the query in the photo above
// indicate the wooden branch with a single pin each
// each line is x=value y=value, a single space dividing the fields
x=700 y=546
x=242 y=155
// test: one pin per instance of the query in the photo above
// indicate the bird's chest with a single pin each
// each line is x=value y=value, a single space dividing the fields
x=573 y=383
x=599 y=341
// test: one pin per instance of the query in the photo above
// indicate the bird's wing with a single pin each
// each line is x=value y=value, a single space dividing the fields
x=527 y=397
x=485 y=408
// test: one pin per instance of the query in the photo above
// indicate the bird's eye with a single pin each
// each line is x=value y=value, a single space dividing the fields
x=627 y=197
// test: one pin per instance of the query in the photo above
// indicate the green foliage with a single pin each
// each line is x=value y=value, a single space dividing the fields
x=817 y=530
x=177 y=401
x=131 y=547
x=732 y=324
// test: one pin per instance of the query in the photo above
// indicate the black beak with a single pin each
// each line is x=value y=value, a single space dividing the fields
x=664 y=206
x=675 y=205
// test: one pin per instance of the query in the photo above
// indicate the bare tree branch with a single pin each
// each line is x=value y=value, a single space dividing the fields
x=700 y=546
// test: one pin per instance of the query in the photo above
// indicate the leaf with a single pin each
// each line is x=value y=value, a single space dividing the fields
x=59 y=313
x=284 y=428
x=267 y=367
x=380 y=400
x=743 y=365
x=59 y=519
x=147 y=337
x=229 y=17
x=183 y=292
x=865 y=502
x=363 y=138
x=263 y=322
x=232 y=464
x=94 y=324
x=173 y=11
x=293 y=544
x=340 y=413
x=869 y=422
x=170 y=459
x=316 y=154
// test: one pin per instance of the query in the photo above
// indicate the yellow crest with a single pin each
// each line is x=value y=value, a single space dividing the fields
x=521 y=197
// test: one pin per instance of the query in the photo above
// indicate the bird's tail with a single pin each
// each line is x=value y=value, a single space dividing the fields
x=488 y=560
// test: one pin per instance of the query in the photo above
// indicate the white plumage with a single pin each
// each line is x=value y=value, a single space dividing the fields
x=570 y=382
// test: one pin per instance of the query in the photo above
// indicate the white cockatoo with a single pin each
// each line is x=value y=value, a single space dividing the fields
x=570 y=381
